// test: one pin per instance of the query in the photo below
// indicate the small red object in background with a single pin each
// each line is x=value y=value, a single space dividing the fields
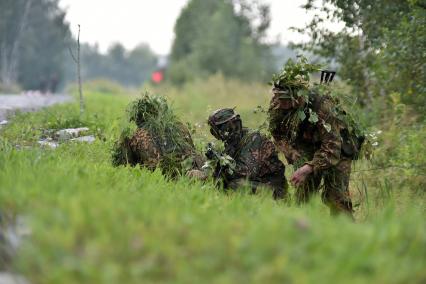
x=157 y=77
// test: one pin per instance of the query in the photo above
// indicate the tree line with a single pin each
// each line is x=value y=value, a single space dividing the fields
x=33 y=41
x=34 y=51
x=381 y=49
x=211 y=36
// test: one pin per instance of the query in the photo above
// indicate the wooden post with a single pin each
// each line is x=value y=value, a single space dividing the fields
x=77 y=61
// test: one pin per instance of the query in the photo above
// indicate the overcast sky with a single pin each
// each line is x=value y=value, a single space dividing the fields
x=131 y=22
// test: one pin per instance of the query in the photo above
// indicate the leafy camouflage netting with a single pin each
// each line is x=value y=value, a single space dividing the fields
x=160 y=139
x=294 y=76
x=293 y=82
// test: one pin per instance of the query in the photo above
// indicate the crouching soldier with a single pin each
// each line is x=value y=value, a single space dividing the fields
x=161 y=140
x=314 y=149
x=311 y=133
x=254 y=156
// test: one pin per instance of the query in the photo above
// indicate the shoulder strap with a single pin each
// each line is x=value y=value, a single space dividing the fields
x=315 y=100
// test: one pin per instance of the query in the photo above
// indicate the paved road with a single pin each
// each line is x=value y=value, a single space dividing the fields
x=28 y=102
x=8 y=278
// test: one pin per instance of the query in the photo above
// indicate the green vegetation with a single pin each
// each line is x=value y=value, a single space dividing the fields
x=93 y=223
x=34 y=40
x=226 y=37
x=380 y=48
x=295 y=76
x=128 y=67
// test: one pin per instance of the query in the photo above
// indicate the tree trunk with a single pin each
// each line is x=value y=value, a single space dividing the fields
x=9 y=53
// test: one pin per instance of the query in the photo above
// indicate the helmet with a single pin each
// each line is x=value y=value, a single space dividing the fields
x=283 y=93
x=285 y=99
x=220 y=117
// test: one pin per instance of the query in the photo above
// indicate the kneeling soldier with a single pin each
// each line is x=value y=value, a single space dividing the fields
x=256 y=160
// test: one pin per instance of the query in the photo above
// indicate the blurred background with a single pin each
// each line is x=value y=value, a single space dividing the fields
x=377 y=48
x=132 y=42
x=92 y=223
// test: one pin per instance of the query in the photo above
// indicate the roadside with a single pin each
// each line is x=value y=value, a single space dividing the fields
x=30 y=101
x=9 y=104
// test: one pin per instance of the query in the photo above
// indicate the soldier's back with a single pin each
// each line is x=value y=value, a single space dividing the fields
x=146 y=151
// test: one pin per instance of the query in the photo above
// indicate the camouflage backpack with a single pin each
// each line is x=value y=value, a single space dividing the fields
x=351 y=133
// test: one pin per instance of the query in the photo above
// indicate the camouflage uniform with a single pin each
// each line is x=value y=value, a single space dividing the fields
x=317 y=144
x=148 y=151
x=160 y=140
x=255 y=156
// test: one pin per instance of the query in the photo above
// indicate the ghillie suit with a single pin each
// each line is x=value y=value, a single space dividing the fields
x=160 y=139
x=309 y=126
x=255 y=160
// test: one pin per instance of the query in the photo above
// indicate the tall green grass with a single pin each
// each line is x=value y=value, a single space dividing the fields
x=93 y=223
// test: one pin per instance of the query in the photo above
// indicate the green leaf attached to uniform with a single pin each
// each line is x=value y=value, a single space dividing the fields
x=301 y=115
x=228 y=163
x=313 y=117
x=327 y=127
x=303 y=93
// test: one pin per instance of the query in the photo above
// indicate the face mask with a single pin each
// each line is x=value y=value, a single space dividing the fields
x=230 y=131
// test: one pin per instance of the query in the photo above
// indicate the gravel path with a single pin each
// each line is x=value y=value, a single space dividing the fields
x=28 y=102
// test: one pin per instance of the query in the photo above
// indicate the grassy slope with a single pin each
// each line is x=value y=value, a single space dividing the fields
x=92 y=223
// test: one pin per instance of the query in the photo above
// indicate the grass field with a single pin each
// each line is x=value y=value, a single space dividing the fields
x=92 y=223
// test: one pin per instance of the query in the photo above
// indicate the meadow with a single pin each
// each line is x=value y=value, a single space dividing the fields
x=92 y=223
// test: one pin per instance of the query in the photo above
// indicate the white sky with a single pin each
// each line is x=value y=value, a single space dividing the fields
x=131 y=22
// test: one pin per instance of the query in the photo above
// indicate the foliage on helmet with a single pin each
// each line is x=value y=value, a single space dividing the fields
x=172 y=137
x=293 y=82
x=146 y=108
x=294 y=76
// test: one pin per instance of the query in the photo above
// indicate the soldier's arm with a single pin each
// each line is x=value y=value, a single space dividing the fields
x=328 y=128
x=275 y=127
x=264 y=157
x=289 y=152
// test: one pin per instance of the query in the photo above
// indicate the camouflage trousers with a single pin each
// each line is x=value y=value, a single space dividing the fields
x=335 y=193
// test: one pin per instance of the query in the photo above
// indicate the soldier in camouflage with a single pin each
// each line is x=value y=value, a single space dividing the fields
x=256 y=160
x=160 y=140
x=150 y=151
x=313 y=146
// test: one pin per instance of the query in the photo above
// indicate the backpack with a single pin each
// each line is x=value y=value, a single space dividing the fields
x=352 y=137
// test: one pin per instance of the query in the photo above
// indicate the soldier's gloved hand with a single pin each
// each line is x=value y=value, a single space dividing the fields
x=299 y=176
x=197 y=174
x=209 y=154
